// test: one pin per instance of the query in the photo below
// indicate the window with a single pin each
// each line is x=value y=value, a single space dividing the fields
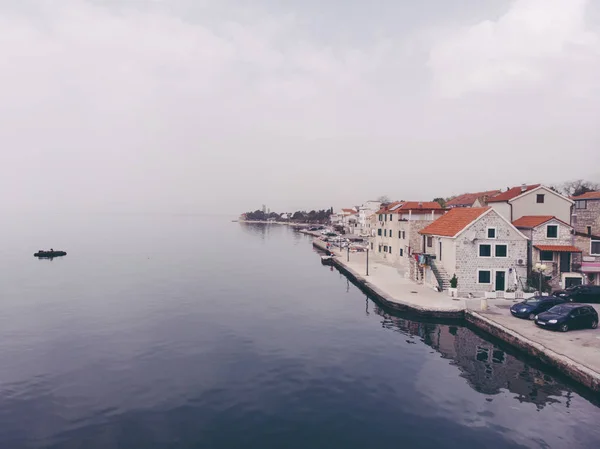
x=595 y=248
x=379 y=231
x=589 y=230
x=399 y=234
x=379 y=248
x=390 y=217
x=380 y=217
x=501 y=251
x=404 y=235
x=485 y=250
x=484 y=276
x=429 y=242
x=498 y=356
x=552 y=231
x=540 y=198
x=491 y=233
x=390 y=249
x=483 y=354
x=371 y=246
x=385 y=232
x=401 y=252
x=546 y=256
x=385 y=217
x=581 y=204
x=385 y=248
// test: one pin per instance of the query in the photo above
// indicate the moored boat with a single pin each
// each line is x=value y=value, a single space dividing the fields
x=49 y=254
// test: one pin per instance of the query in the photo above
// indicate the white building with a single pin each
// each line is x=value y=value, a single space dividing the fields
x=397 y=226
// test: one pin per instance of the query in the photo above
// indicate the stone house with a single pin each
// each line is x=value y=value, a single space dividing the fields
x=478 y=245
x=478 y=199
x=586 y=221
x=586 y=213
x=533 y=199
x=397 y=229
x=552 y=243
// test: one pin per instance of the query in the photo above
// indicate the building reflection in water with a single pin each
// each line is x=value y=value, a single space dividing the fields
x=261 y=230
x=487 y=368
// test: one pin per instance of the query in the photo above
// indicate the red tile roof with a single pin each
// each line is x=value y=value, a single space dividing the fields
x=533 y=221
x=587 y=196
x=512 y=193
x=467 y=199
x=419 y=205
x=398 y=206
x=453 y=222
x=559 y=248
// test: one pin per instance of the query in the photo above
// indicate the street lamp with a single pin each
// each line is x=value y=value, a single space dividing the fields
x=540 y=268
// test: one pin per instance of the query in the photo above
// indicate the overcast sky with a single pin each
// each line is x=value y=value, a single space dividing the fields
x=222 y=106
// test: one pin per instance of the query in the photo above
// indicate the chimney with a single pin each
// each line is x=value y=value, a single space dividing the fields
x=420 y=204
x=523 y=187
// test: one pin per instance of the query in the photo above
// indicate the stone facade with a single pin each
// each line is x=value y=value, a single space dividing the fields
x=586 y=216
x=590 y=262
x=460 y=256
x=539 y=236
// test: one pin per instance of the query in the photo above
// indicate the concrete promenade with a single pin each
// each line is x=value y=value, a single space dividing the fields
x=393 y=288
x=576 y=353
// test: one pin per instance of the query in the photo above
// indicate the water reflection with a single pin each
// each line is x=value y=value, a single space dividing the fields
x=261 y=230
x=487 y=368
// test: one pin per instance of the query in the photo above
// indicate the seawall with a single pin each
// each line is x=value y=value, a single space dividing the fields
x=575 y=369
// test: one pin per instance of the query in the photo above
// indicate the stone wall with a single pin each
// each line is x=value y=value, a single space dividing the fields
x=539 y=237
x=468 y=261
x=590 y=216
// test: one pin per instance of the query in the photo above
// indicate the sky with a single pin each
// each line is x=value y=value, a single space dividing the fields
x=221 y=106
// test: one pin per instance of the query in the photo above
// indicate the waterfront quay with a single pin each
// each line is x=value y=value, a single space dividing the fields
x=575 y=354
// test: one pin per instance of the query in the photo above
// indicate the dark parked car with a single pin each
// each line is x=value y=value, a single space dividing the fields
x=533 y=306
x=580 y=293
x=568 y=316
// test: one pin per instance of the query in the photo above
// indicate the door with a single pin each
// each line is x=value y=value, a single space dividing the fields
x=586 y=317
x=575 y=319
x=582 y=294
x=571 y=282
x=500 y=281
x=565 y=262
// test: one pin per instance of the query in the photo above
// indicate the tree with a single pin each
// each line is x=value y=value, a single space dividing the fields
x=577 y=187
x=384 y=199
x=440 y=201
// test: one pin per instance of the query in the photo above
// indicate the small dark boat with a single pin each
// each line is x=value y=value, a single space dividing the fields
x=49 y=254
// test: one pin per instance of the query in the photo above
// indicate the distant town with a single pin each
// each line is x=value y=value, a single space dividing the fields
x=522 y=238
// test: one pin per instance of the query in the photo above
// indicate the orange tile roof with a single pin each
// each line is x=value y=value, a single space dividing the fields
x=387 y=207
x=398 y=206
x=453 y=222
x=512 y=193
x=587 y=196
x=419 y=205
x=531 y=221
x=559 y=248
x=467 y=199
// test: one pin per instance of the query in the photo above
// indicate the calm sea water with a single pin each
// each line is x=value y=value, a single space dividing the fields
x=196 y=332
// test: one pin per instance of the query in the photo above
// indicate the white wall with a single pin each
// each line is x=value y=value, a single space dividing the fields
x=553 y=205
x=448 y=259
x=503 y=209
